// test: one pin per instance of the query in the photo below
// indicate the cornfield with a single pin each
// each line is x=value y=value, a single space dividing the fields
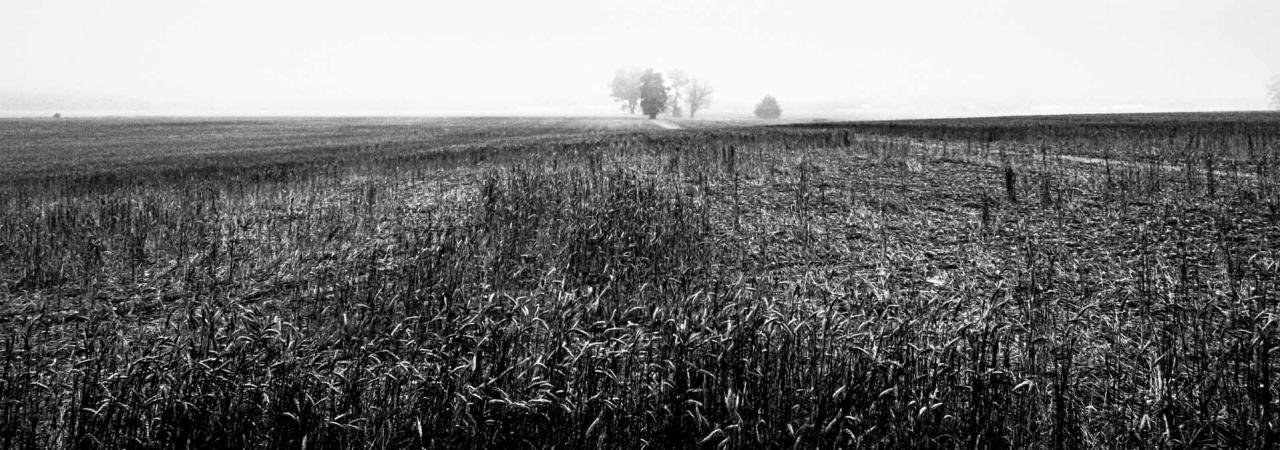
x=1069 y=282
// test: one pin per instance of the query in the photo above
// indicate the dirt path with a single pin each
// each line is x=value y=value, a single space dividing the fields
x=667 y=124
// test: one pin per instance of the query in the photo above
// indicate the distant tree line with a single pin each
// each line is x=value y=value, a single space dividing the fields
x=645 y=91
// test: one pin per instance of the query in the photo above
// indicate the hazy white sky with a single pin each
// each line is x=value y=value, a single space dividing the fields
x=556 y=57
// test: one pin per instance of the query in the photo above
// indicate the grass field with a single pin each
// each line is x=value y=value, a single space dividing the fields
x=1035 y=282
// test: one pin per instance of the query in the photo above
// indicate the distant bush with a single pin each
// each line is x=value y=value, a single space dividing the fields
x=768 y=108
x=1273 y=92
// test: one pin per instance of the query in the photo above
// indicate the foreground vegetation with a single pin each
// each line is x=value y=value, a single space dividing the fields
x=1044 y=283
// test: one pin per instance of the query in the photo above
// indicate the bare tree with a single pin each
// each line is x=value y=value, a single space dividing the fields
x=676 y=82
x=625 y=87
x=1273 y=92
x=698 y=94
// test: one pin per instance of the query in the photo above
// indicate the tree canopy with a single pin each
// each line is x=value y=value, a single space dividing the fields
x=653 y=94
x=698 y=94
x=670 y=95
x=768 y=108
x=625 y=87
x=676 y=83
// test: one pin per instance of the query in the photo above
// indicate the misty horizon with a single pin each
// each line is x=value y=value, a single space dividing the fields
x=820 y=59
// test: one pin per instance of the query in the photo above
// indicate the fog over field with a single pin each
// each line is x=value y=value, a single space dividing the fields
x=819 y=58
x=605 y=224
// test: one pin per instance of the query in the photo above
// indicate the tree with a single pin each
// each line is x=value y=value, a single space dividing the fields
x=1274 y=91
x=625 y=87
x=698 y=94
x=768 y=108
x=676 y=82
x=653 y=94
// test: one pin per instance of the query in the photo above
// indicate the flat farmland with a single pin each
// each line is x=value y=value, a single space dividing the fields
x=41 y=147
x=1029 y=282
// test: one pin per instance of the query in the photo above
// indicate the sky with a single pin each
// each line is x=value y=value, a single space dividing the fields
x=906 y=58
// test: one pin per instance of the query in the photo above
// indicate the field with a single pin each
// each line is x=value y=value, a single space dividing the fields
x=1027 y=282
x=109 y=146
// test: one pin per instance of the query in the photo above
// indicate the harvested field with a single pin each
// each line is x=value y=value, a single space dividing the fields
x=576 y=283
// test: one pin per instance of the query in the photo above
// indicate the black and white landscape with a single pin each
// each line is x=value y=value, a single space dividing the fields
x=606 y=224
